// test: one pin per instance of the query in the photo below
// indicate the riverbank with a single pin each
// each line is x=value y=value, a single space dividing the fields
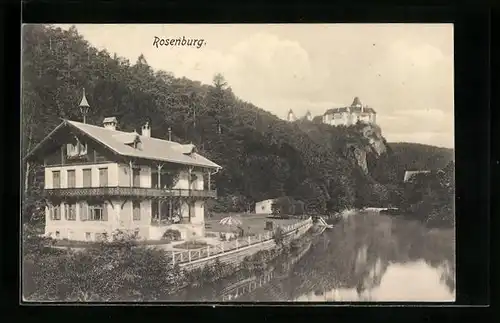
x=256 y=263
x=120 y=270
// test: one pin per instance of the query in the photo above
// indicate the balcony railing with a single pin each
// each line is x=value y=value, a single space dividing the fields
x=128 y=192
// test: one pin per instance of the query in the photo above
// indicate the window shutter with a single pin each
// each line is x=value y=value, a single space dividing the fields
x=83 y=212
x=51 y=212
x=66 y=211
x=105 y=212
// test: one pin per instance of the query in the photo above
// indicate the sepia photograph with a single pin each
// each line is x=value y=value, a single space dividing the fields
x=240 y=163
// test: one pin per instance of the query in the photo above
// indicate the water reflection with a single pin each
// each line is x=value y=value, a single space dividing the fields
x=366 y=257
x=415 y=281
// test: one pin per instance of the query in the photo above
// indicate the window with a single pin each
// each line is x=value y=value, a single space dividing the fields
x=70 y=234
x=58 y=234
x=55 y=212
x=103 y=177
x=71 y=150
x=71 y=179
x=136 y=175
x=56 y=179
x=76 y=149
x=136 y=206
x=88 y=236
x=70 y=212
x=97 y=212
x=87 y=177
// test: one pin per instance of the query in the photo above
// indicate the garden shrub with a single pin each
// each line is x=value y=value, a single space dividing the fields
x=172 y=235
x=109 y=271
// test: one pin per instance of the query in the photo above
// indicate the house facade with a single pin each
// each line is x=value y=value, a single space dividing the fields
x=409 y=174
x=99 y=179
x=350 y=115
x=264 y=207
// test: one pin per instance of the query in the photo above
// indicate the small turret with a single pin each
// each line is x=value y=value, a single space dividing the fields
x=84 y=107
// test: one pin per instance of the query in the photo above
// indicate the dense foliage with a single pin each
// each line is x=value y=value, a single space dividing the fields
x=412 y=156
x=110 y=271
x=431 y=196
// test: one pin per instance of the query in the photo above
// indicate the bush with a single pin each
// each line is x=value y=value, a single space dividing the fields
x=172 y=235
x=109 y=271
x=278 y=236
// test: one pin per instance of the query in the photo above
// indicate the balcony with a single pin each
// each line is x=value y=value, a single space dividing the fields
x=153 y=193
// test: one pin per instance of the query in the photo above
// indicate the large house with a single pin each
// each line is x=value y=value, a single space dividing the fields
x=350 y=115
x=99 y=179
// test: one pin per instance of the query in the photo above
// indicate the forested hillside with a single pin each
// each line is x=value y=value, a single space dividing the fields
x=262 y=156
x=412 y=156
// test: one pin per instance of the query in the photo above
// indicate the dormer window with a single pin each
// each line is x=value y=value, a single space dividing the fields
x=135 y=143
x=76 y=148
x=189 y=150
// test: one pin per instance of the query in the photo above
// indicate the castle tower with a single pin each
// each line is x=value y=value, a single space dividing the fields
x=309 y=116
x=291 y=116
x=356 y=103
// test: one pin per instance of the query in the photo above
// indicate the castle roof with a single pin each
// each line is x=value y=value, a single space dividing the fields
x=351 y=108
x=356 y=102
x=355 y=107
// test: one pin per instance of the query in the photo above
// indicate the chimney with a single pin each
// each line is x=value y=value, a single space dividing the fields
x=110 y=123
x=146 y=130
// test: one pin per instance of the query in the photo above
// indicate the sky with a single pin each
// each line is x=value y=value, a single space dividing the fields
x=403 y=71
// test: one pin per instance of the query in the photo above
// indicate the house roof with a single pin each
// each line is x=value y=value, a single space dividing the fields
x=151 y=148
x=263 y=201
x=410 y=173
x=110 y=119
x=351 y=108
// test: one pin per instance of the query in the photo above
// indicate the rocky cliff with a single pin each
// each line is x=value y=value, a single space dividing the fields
x=371 y=143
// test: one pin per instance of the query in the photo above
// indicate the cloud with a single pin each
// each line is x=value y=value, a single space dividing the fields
x=415 y=54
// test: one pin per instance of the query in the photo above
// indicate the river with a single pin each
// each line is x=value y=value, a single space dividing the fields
x=364 y=257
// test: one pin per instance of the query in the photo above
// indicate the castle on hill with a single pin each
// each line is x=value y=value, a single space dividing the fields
x=345 y=116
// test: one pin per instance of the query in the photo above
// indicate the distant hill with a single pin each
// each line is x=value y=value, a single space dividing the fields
x=412 y=156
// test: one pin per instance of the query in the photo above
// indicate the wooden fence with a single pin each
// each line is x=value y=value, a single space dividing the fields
x=188 y=256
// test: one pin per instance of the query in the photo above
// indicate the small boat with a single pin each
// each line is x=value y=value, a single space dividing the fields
x=323 y=223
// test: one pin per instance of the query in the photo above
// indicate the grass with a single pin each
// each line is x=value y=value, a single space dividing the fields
x=191 y=245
